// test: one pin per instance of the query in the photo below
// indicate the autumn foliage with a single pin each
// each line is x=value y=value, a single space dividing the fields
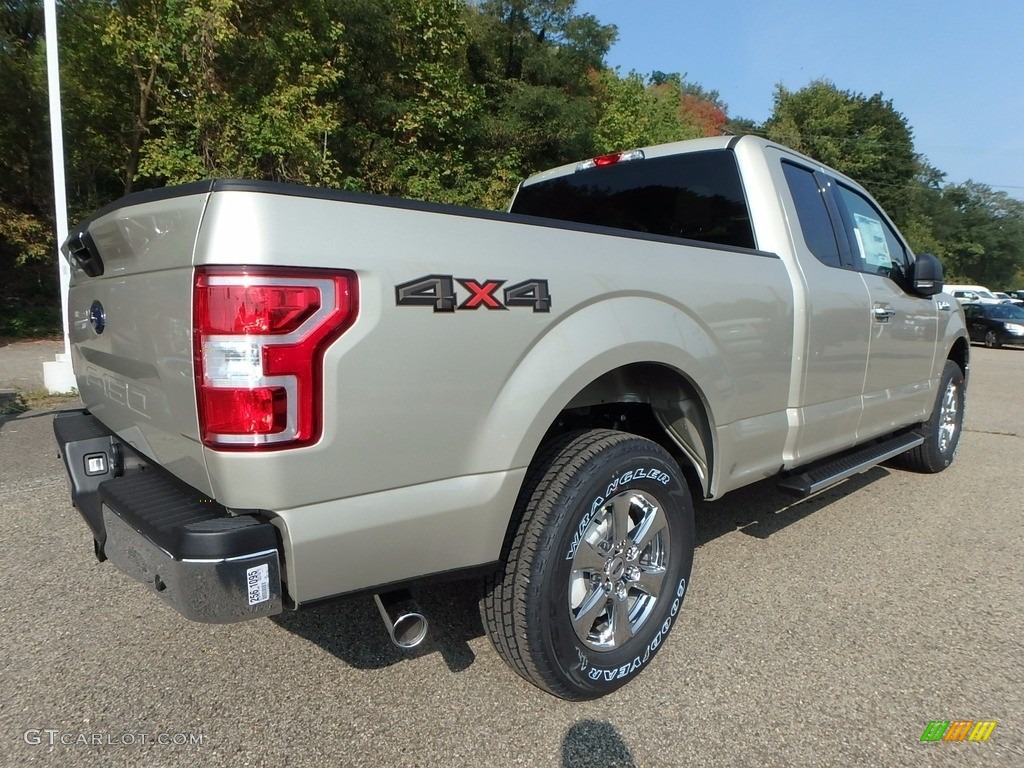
x=447 y=100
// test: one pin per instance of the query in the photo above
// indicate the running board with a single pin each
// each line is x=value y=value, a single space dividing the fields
x=816 y=477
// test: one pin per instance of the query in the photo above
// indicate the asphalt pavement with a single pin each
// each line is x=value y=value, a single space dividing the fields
x=21 y=362
x=826 y=633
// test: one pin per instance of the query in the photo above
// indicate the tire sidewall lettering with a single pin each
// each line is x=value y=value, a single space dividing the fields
x=652 y=474
x=610 y=670
x=626 y=670
x=616 y=485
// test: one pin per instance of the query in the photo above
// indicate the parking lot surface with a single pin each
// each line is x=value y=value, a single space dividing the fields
x=825 y=633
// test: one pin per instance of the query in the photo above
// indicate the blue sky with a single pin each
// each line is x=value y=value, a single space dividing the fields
x=954 y=69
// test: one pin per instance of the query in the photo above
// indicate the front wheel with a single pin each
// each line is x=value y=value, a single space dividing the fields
x=942 y=430
x=992 y=340
x=596 y=571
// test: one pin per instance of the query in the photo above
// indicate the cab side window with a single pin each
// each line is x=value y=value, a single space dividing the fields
x=812 y=212
x=877 y=249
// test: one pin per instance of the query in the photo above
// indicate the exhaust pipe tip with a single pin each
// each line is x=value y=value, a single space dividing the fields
x=404 y=619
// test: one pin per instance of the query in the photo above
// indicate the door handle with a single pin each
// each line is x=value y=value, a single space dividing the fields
x=883 y=314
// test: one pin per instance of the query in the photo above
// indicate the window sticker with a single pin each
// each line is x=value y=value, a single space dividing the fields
x=871 y=241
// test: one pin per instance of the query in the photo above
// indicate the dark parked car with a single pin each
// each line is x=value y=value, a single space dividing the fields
x=995 y=324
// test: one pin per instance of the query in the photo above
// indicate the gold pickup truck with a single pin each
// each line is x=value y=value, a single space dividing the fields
x=294 y=395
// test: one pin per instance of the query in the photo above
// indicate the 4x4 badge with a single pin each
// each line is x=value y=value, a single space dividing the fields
x=438 y=292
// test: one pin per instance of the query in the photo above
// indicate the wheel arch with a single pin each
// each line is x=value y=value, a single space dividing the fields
x=960 y=352
x=637 y=356
x=635 y=350
x=651 y=400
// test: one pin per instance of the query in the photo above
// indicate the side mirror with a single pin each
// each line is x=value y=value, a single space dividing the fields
x=926 y=275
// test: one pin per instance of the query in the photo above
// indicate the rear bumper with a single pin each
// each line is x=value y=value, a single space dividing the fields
x=206 y=563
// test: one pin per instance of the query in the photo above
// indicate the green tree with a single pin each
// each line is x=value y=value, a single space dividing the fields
x=666 y=109
x=982 y=235
x=102 y=135
x=247 y=94
x=26 y=199
x=409 y=106
x=545 y=42
x=861 y=136
x=926 y=207
x=634 y=114
x=185 y=90
x=536 y=61
x=120 y=57
x=28 y=292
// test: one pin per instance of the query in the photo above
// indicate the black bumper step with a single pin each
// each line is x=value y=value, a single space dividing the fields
x=175 y=517
x=205 y=562
x=181 y=521
x=818 y=476
x=80 y=435
x=78 y=425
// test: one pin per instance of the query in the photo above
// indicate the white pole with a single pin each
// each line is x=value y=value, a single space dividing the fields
x=58 y=376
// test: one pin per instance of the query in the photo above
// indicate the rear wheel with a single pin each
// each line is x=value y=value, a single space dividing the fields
x=942 y=430
x=596 y=571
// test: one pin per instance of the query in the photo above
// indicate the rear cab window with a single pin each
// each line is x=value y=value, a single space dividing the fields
x=693 y=196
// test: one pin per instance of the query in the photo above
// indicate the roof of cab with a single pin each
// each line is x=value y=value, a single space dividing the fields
x=658 y=150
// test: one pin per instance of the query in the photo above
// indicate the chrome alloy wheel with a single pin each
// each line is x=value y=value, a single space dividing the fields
x=949 y=417
x=618 y=570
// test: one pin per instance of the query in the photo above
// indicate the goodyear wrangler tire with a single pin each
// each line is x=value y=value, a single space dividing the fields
x=595 y=572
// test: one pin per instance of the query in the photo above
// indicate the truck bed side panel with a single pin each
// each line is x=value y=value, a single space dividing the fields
x=430 y=405
x=416 y=396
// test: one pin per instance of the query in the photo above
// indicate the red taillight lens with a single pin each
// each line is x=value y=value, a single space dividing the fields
x=260 y=338
x=260 y=411
x=256 y=309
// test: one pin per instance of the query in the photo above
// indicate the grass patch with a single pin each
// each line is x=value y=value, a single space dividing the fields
x=41 y=400
x=36 y=400
x=11 y=406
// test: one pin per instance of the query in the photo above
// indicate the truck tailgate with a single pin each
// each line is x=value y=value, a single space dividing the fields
x=130 y=306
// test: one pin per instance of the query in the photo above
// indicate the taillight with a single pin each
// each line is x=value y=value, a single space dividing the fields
x=260 y=335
